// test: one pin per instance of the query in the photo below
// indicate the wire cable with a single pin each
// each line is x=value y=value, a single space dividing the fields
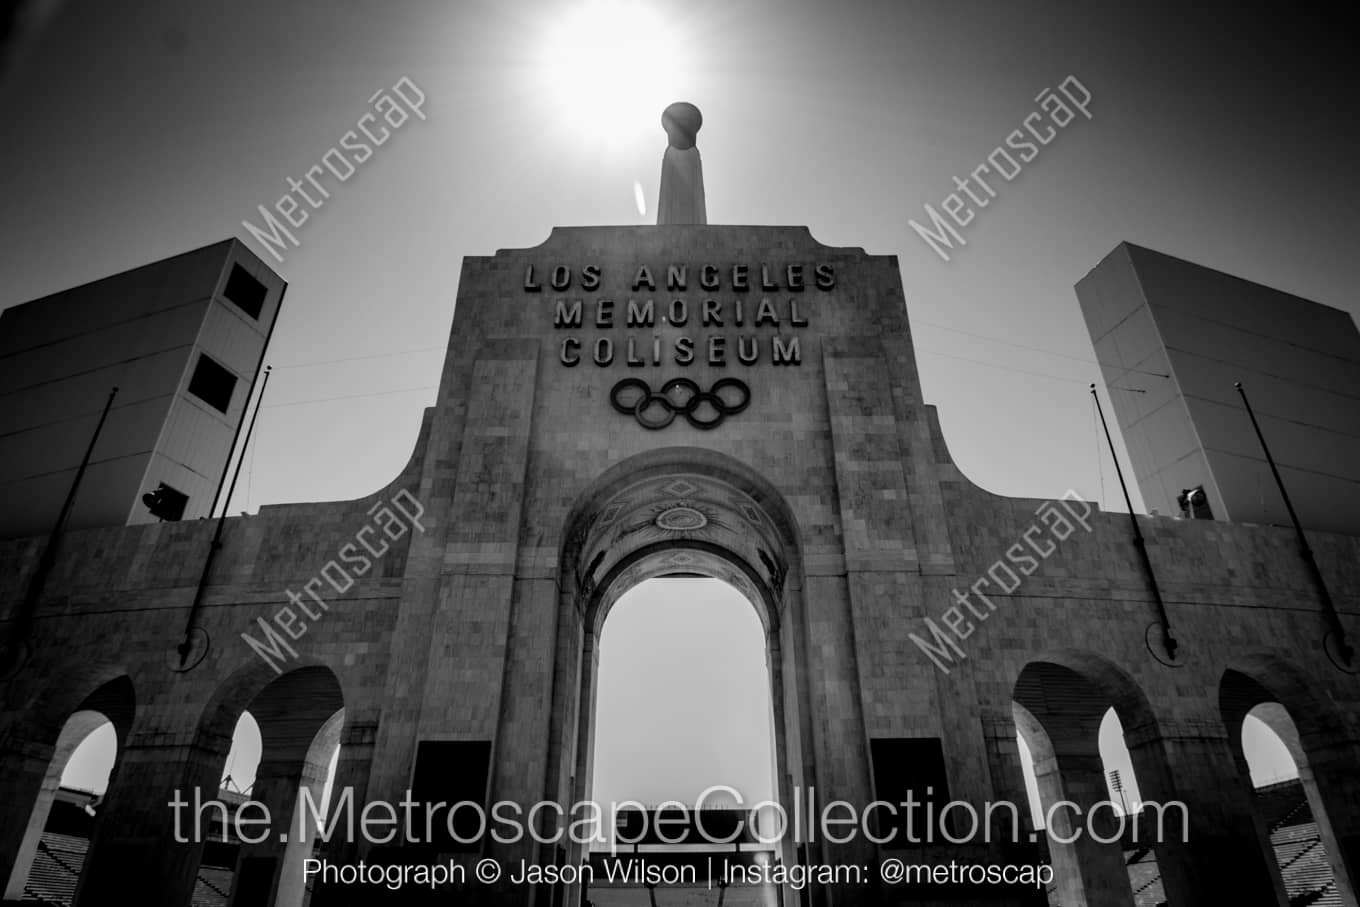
x=1036 y=349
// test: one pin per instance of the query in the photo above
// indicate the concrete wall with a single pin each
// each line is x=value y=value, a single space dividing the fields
x=142 y=331
x=1299 y=362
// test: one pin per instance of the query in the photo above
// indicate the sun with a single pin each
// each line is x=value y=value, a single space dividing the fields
x=610 y=67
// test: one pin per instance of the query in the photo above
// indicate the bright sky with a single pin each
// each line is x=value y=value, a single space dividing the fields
x=703 y=640
x=156 y=128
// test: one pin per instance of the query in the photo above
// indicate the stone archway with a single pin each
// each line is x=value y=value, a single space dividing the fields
x=112 y=702
x=1320 y=740
x=300 y=714
x=679 y=512
x=1058 y=711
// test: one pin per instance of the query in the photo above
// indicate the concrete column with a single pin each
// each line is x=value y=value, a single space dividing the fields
x=279 y=785
x=1222 y=862
x=1016 y=841
x=836 y=721
x=520 y=768
x=22 y=767
x=26 y=793
x=1087 y=872
x=1104 y=875
x=1332 y=785
x=276 y=787
x=353 y=773
x=137 y=845
x=1258 y=823
x=1070 y=777
x=1007 y=772
x=1069 y=886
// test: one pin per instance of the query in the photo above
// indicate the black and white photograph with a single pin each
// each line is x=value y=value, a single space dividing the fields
x=679 y=453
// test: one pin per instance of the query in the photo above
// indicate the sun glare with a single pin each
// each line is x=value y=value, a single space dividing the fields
x=610 y=66
x=640 y=199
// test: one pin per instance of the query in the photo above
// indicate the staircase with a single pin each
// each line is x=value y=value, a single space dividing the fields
x=1294 y=835
x=59 y=859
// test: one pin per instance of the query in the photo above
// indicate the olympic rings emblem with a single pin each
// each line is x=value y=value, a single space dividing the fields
x=680 y=397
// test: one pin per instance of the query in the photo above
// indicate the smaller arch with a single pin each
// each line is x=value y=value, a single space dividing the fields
x=71 y=686
x=289 y=709
x=1060 y=701
x=235 y=694
x=293 y=710
x=35 y=783
x=1103 y=681
x=1270 y=676
x=1324 y=745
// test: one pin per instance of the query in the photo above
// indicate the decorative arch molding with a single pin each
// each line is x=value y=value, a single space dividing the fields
x=1249 y=680
x=1088 y=684
x=684 y=558
x=256 y=688
x=680 y=511
x=97 y=686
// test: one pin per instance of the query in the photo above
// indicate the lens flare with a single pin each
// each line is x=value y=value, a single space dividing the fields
x=610 y=67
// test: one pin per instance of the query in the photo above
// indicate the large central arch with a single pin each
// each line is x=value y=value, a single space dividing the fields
x=678 y=512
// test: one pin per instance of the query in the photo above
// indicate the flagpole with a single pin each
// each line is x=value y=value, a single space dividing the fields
x=1168 y=639
x=1329 y=608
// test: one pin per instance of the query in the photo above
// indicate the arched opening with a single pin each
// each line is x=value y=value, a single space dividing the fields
x=1121 y=781
x=1293 y=810
x=683 y=706
x=284 y=737
x=221 y=850
x=1268 y=756
x=243 y=759
x=688 y=513
x=91 y=763
x=53 y=852
x=299 y=716
x=1083 y=788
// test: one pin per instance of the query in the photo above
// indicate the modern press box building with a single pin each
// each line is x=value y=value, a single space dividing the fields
x=621 y=403
x=181 y=340
x=1151 y=315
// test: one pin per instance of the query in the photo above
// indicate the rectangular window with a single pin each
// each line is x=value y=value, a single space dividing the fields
x=212 y=384
x=910 y=767
x=453 y=771
x=245 y=292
